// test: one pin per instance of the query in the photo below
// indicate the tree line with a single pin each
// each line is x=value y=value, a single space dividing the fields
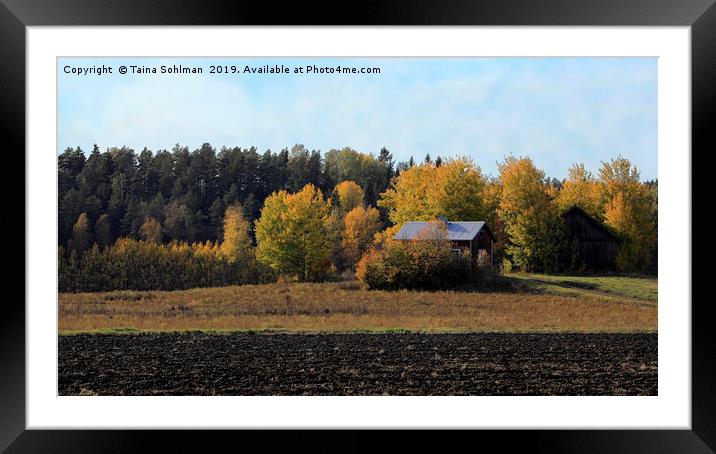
x=522 y=205
x=189 y=192
x=247 y=217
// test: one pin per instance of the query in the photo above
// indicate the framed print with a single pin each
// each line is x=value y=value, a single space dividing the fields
x=421 y=217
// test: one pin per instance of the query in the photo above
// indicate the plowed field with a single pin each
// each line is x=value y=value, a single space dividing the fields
x=358 y=364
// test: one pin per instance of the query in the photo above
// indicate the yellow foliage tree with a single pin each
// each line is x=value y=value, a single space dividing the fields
x=385 y=237
x=291 y=234
x=581 y=189
x=81 y=234
x=536 y=239
x=151 y=231
x=491 y=201
x=334 y=229
x=206 y=249
x=629 y=210
x=361 y=225
x=236 y=245
x=349 y=195
x=455 y=190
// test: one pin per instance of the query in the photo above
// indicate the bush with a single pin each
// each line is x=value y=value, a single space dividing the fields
x=506 y=265
x=425 y=264
x=143 y=265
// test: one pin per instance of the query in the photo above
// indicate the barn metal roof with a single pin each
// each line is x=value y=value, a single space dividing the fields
x=456 y=231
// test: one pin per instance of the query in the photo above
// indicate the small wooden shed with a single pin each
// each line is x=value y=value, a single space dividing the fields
x=473 y=237
x=597 y=244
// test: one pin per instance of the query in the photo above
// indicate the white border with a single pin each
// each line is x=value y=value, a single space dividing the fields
x=670 y=409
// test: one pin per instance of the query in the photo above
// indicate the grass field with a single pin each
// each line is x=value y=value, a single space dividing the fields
x=534 y=303
x=638 y=287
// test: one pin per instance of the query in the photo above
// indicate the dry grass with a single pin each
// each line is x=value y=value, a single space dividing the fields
x=346 y=306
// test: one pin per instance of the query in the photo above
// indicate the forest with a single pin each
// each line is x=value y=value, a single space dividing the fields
x=182 y=219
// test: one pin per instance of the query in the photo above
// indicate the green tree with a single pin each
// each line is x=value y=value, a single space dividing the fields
x=178 y=222
x=70 y=207
x=371 y=174
x=69 y=166
x=334 y=229
x=303 y=167
x=386 y=158
x=103 y=231
x=216 y=212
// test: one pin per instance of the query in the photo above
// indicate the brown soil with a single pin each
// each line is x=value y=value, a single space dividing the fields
x=358 y=364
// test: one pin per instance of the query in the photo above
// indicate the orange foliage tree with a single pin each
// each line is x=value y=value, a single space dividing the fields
x=361 y=225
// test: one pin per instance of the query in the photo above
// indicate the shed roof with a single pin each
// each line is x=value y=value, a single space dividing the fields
x=581 y=211
x=456 y=231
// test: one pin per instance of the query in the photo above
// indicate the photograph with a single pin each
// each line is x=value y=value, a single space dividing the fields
x=358 y=226
x=471 y=219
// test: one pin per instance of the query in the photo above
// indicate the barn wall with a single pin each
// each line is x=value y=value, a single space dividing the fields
x=484 y=242
x=597 y=248
x=597 y=255
x=465 y=245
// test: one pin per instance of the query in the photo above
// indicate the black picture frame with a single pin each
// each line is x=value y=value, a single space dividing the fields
x=16 y=15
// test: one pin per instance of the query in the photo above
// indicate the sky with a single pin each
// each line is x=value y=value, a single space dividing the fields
x=558 y=111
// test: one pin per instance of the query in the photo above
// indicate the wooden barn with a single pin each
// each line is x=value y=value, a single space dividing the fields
x=597 y=244
x=473 y=237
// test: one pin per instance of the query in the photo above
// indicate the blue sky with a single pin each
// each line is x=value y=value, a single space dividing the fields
x=558 y=111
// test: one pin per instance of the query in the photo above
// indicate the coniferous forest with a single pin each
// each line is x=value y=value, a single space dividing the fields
x=189 y=191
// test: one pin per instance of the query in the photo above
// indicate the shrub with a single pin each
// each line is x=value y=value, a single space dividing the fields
x=144 y=265
x=506 y=265
x=425 y=264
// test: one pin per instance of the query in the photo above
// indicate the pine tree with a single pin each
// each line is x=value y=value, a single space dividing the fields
x=385 y=157
x=216 y=214
x=103 y=231
x=178 y=223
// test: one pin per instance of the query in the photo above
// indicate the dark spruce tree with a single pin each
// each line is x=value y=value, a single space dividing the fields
x=187 y=192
